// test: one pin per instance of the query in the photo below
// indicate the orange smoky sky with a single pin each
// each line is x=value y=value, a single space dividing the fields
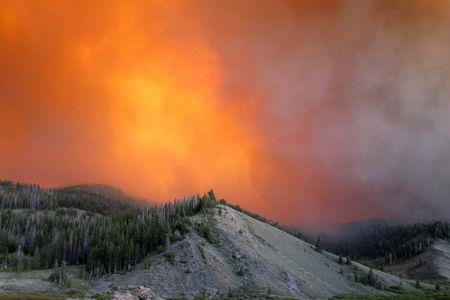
x=309 y=112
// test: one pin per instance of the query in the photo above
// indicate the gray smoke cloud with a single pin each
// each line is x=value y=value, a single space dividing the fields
x=394 y=135
x=361 y=88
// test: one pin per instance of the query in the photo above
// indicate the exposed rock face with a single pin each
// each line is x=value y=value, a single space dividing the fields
x=252 y=254
x=135 y=293
x=442 y=260
x=237 y=255
x=177 y=235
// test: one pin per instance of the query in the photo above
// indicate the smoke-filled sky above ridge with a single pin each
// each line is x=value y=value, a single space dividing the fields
x=308 y=112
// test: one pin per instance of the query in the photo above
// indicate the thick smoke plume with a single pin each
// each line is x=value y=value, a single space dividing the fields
x=307 y=112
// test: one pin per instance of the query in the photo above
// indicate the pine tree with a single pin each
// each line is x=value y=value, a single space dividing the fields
x=36 y=259
x=349 y=260
x=19 y=264
x=19 y=258
x=370 y=277
x=318 y=246
x=417 y=285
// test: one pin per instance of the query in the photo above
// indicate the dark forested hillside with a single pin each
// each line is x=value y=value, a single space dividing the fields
x=43 y=228
x=393 y=243
x=93 y=198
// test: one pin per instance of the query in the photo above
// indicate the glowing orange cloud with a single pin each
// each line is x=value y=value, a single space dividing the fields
x=109 y=92
x=289 y=108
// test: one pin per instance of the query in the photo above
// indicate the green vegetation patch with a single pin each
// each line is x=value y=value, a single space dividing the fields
x=170 y=257
x=59 y=276
x=205 y=230
x=241 y=272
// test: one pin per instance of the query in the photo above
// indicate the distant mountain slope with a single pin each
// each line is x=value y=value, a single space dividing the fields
x=95 y=198
x=415 y=251
x=104 y=190
x=433 y=263
x=388 y=241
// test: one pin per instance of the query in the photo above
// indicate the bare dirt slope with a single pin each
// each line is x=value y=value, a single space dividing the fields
x=442 y=260
x=37 y=281
x=434 y=263
x=27 y=281
x=249 y=253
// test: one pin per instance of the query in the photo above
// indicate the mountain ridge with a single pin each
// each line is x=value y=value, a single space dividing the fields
x=62 y=241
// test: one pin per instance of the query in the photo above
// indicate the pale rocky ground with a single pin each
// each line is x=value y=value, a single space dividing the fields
x=36 y=281
x=269 y=258
x=26 y=281
x=442 y=261
x=249 y=253
x=433 y=263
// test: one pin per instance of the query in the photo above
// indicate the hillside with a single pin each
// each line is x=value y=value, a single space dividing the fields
x=247 y=256
x=45 y=228
x=87 y=197
x=392 y=242
x=433 y=263
x=414 y=251
x=79 y=241
x=104 y=190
